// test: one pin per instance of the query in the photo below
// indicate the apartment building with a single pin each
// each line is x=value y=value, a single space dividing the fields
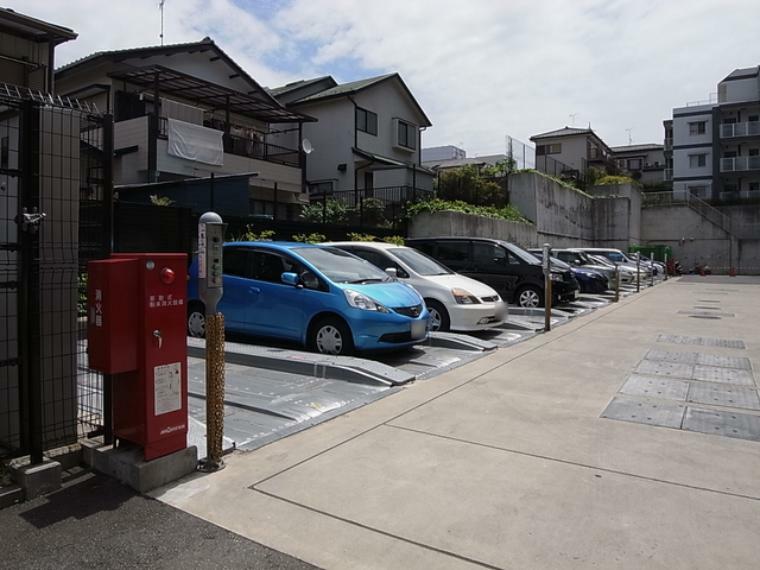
x=716 y=144
x=189 y=111
x=445 y=152
x=367 y=138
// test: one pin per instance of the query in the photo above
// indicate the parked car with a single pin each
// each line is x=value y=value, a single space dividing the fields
x=455 y=302
x=616 y=256
x=627 y=274
x=590 y=281
x=321 y=297
x=515 y=274
x=578 y=258
x=652 y=265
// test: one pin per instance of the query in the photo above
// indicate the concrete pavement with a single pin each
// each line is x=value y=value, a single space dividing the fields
x=506 y=462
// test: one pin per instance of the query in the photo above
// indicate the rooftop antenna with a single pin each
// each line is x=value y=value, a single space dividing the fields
x=630 y=138
x=572 y=118
x=161 y=9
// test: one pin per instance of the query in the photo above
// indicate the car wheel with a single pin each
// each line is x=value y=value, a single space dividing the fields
x=439 y=316
x=196 y=321
x=331 y=336
x=530 y=297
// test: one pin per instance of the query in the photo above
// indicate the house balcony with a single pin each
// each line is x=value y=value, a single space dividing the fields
x=740 y=163
x=737 y=130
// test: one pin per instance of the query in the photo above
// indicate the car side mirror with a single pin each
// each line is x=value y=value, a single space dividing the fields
x=291 y=279
x=392 y=272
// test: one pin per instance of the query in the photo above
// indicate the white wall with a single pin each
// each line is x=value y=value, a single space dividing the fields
x=740 y=90
x=574 y=150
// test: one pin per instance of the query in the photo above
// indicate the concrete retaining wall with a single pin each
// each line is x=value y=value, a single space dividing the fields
x=563 y=216
x=617 y=215
x=458 y=224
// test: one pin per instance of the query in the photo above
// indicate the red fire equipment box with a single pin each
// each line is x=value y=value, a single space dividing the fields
x=136 y=332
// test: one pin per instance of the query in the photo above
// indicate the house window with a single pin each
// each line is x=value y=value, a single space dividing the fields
x=697 y=128
x=543 y=149
x=754 y=186
x=634 y=164
x=4 y=152
x=366 y=121
x=407 y=135
x=697 y=160
x=320 y=188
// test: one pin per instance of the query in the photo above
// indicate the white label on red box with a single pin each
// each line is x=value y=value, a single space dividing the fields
x=167 y=388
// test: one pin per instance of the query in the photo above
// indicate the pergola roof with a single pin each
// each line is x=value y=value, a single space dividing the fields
x=256 y=103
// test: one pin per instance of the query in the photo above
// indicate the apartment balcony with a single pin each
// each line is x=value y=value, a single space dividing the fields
x=668 y=174
x=740 y=163
x=736 y=130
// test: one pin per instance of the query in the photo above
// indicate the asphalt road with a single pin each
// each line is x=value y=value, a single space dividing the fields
x=95 y=521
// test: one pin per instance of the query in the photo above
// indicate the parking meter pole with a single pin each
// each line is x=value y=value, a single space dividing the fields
x=651 y=263
x=638 y=273
x=210 y=248
x=547 y=287
x=617 y=283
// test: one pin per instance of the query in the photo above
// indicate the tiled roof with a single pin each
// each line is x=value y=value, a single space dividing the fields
x=566 y=131
x=32 y=27
x=277 y=91
x=346 y=88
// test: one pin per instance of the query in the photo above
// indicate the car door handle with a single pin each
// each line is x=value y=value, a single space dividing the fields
x=254 y=290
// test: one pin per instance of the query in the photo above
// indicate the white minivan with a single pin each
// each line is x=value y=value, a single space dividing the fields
x=455 y=302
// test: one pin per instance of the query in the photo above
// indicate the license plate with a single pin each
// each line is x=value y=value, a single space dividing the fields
x=419 y=329
x=575 y=294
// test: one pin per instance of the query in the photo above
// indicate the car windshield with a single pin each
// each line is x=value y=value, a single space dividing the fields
x=526 y=256
x=340 y=266
x=419 y=262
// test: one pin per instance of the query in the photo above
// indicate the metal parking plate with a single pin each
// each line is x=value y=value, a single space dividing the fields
x=701 y=341
x=645 y=412
x=724 y=395
x=724 y=361
x=708 y=314
x=723 y=375
x=668 y=356
x=673 y=369
x=706 y=308
x=655 y=387
x=729 y=424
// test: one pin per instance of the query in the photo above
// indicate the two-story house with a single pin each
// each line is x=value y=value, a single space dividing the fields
x=644 y=162
x=572 y=149
x=27 y=50
x=367 y=137
x=190 y=111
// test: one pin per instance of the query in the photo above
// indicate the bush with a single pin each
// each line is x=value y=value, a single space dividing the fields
x=353 y=236
x=437 y=205
x=467 y=184
x=309 y=238
x=395 y=240
x=157 y=200
x=250 y=235
x=373 y=212
x=331 y=212
x=610 y=180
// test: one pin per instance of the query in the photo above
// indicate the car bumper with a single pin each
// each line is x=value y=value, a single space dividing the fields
x=383 y=331
x=565 y=291
x=476 y=317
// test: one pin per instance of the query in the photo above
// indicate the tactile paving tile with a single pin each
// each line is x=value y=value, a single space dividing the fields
x=660 y=368
x=723 y=375
x=701 y=341
x=655 y=387
x=724 y=395
x=730 y=424
x=724 y=361
x=663 y=414
x=668 y=356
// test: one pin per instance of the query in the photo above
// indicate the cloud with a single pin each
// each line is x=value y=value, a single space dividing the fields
x=481 y=69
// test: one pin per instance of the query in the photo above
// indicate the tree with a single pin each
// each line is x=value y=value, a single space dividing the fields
x=467 y=184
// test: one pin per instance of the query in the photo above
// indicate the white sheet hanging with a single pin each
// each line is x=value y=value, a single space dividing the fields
x=195 y=142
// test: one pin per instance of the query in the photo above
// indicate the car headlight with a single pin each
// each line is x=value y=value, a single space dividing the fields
x=464 y=297
x=360 y=301
x=556 y=276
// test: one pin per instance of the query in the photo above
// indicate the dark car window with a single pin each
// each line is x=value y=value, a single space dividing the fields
x=426 y=247
x=238 y=262
x=268 y=266
x=486 y=254
x=378 y=259
x=453 y=254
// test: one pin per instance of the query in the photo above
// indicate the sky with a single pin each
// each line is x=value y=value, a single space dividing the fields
x=481 y=69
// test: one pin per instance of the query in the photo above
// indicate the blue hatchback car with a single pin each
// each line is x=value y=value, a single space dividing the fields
x=328 y=300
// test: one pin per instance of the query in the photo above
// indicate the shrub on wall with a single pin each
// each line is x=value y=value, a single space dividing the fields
x=438 y=205
x=610 y=180
x=332 y=212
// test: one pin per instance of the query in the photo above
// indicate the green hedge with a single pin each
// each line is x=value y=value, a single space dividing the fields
x=437 y=205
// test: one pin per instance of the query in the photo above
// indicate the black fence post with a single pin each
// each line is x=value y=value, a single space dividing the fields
x=324 y=207
x=361 y=211
x=108 y=241
x=29 y=277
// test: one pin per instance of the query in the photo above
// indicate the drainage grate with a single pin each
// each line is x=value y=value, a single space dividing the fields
x=729 y=424
x=724 y=395
x=643 y=412
x=655 y=387
x=701 y=341
x=705 y=314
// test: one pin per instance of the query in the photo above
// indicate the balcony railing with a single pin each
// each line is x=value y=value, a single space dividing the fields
x=733 y=130
x=250 y=148
x=739 y=163
x=668 y=174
